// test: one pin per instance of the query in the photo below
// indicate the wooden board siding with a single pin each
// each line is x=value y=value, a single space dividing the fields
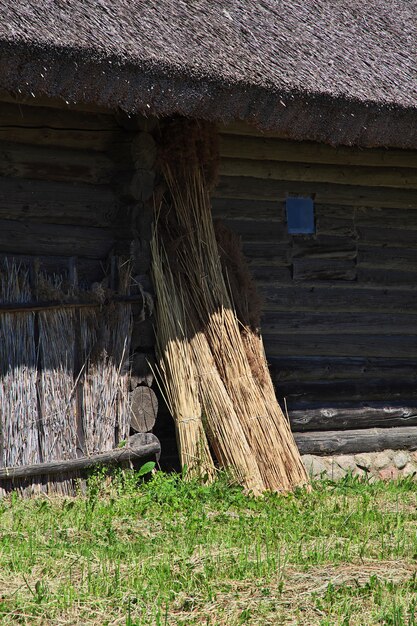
x=340 y=306
x=61 y=177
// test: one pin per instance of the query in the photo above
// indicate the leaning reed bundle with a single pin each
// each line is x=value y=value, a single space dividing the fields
x=275 y=452
x=248 y=310
x=177 y=370
x=18 y=374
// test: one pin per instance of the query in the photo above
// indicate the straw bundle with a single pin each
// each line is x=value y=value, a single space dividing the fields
x=177 y=371
x=56 y=384
x=248 y=310
x=270 y=441
x=105 y=343
x=18 y=373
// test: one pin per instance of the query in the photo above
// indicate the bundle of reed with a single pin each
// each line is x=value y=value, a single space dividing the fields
x=177 y=372
x=273 y=450
x=105 y=343
x=248 y=310
x=18 y=373
x=56 y=385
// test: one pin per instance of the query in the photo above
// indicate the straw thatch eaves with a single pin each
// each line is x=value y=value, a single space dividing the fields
x=342 y=72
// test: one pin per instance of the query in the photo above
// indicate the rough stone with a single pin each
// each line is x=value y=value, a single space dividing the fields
x=409 y=470
x=389 y=473
x=400 y=459
x=381 y=460
x=363 y=460
x=345 y=462
x=414 y=456
x=336 y=472
x=315 y=466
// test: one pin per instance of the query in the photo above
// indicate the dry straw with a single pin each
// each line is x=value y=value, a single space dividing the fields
x=177 y=370
x=264 y=428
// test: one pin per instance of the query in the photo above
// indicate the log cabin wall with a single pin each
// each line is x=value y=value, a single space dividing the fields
x=76 y=183
x=340 y=305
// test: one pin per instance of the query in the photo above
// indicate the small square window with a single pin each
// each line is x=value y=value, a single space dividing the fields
x=300 y=216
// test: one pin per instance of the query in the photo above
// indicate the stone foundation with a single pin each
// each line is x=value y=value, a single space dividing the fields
x=386 y=465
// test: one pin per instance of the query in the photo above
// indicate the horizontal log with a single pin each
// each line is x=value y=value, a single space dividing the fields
x=356 y=441
x=31 y=114
x=372 y=345
x=401 y=177
x=324 y=247
x=237 y=141
x=337 y=296
x=60 y=240
x=334 y=368
x=101 y=140
x=59 y=164
x=57 y=202
x=325 y=322
x=249 y=188
x=324 y=269
x=351 y=417
x=139 y=446
x=387 y=277
x=29 y=307
x=387 y=255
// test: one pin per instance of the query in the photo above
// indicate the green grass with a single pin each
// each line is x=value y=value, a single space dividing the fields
x=168 y=552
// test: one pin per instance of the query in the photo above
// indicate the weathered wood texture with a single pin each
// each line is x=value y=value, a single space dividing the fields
x=355 y=441
x=139 y=446
x=340 y=306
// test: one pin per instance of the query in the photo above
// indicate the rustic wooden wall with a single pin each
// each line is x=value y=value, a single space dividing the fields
x=340 y=306
x=77 y=183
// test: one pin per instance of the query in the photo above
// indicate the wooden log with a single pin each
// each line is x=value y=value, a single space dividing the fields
x=299 y=322
x=324 y=247
x=139 y=446
x=324 y=269
x=355 y=441
x=243 y=141
x=337 y=296
x=59 y=164
x=57 y=202
x=74 y=304
x=144 y=409
x=351 y=417
x=249 y=188
x=372 y=345
x=32 y=113
x=401 y=177
x=141 y=370
x=55 y=239
x=356 y=369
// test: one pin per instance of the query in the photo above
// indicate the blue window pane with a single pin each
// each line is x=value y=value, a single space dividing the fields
x=300 y=216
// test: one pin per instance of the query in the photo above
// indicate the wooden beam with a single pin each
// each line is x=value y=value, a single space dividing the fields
x=333 y=442
x=237 y=142
x=344 y=418
x=139 y=446
x=28 y=307
x=250 y=188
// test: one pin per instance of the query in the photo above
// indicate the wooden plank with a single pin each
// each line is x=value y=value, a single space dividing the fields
x=59 y=240
x=57 y=202
x=356 y=441
x=324 y=322
x=33 y=115
x=381 y=235
x=73 y=304
x=81 y=139
x=352 y=417
x=337 y=297
x=332 y=344
x=324 y=247
x=52 y=163
x=140 y=446
x=400 y=177
x=388 y=256
x=356 y=369
x=88 y=270
x=387 y=277
x=243 y=141
x=324 y=269
x=249 y=188
x=261 y=230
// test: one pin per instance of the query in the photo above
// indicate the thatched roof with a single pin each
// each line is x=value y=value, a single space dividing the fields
x=336 y=70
